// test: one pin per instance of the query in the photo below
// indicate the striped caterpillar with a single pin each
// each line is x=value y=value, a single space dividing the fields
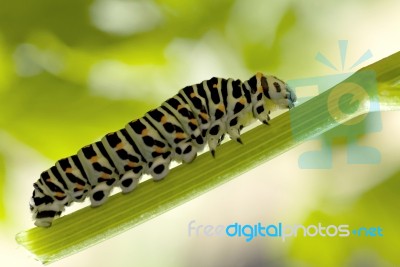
x=183 y=125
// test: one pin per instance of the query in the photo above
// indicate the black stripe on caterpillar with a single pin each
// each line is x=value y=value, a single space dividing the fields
x=182 y=126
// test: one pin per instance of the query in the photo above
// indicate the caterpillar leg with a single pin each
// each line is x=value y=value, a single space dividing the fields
x=214 y=135
x=189 y=153
x=233 y=129
x=221 y=139
x=185 y=151
x=261 y=112
x=159 y=168
x=235 y=126
x=99 y=194
x=129 y=181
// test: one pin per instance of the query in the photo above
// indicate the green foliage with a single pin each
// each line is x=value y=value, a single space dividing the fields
x=2 y=189
x=51 y=116
x=256 y=61
x=378 y=207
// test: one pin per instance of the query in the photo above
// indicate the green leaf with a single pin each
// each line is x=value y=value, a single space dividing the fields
x=89 y=226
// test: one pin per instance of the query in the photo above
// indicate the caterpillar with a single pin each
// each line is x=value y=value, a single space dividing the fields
x=198 y=115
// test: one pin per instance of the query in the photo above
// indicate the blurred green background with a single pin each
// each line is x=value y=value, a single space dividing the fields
x=71 y=71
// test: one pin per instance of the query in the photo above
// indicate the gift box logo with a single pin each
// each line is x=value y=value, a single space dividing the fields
x=357 y=93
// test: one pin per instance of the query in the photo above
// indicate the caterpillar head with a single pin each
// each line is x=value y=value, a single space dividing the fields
x=269 y=93
x=277 y=91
